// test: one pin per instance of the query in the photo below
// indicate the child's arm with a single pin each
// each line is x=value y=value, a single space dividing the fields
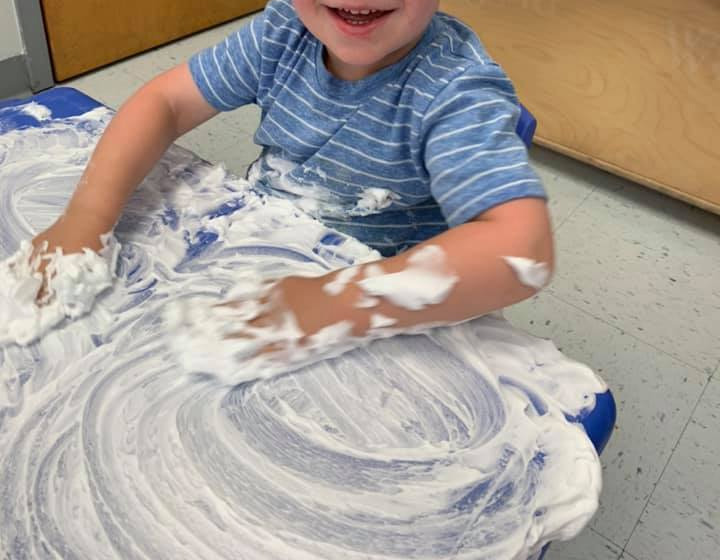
x=136 y=138
x=474 y=254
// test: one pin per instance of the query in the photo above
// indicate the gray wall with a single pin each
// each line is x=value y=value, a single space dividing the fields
x=24 y=59
x=11 y=43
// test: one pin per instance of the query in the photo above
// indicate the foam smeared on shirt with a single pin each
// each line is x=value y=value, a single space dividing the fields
x=275 y=174
x=372 y=200
x=425 y=281
x=452 y=442
x=531 y=273
x=272 y=173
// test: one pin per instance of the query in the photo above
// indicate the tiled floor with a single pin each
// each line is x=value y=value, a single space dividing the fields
x=637 y=297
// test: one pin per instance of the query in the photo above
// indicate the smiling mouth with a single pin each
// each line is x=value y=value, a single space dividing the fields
x=359 y=17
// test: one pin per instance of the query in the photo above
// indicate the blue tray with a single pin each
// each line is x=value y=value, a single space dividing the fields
x=67 y=102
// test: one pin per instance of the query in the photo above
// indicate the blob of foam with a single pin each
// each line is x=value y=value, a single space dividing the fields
x=380 y=321
x=531 y=273
x=336 y=286
x=37 y=111
x=367 y=302
x=425 y=281
x=372 y=200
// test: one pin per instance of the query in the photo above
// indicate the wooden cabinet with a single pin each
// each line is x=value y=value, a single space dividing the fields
x=632 y=86
x=86 y=34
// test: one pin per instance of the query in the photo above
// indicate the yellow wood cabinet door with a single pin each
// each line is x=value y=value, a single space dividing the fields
x=87 y=34
x=632 y=86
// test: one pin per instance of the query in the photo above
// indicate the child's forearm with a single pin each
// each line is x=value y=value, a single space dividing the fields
x=473 y=253
x=133 y=142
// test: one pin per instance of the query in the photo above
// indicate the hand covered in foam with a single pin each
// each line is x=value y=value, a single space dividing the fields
x=69 y=282
x=272 y=325
x=74 y=232
x=265 y=328
x=261 y=320
x=262 y=329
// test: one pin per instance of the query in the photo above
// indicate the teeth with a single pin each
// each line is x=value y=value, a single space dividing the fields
x=358 y=12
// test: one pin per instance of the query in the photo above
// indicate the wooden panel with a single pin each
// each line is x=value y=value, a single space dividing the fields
x=86 y=34
x=632 y=86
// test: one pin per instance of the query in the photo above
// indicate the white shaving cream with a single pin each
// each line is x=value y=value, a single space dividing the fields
x=380 y=321
x=341 y=280
x=531 y=273
x=372 y=200
x=37 y=111
x=425 y=281
x=366 y=302
x=73 y=283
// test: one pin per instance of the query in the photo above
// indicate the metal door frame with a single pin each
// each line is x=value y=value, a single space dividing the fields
x=37 y=53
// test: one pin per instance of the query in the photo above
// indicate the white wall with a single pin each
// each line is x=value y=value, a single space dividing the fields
x=10 y=40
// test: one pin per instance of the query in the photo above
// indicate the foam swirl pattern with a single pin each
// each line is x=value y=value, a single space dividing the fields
x=450 y=444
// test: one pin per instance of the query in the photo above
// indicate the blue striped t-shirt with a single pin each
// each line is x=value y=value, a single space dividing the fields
x=392 y=159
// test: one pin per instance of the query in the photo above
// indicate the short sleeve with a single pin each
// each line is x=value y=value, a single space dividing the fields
x=472 y=153
x=228 y=74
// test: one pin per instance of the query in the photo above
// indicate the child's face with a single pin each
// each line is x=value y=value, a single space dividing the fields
x=360 y=44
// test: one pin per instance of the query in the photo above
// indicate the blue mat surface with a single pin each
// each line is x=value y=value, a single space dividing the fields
x=67 y=102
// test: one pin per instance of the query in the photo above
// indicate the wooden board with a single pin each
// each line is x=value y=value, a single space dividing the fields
x=86 y=34
x=632 y=86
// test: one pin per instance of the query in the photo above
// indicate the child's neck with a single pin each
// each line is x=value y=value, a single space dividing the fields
x=352 y=72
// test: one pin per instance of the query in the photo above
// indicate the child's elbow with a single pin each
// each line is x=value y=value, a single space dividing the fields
x=541 y=242
x=547 y=254
x=541 y=260
x=534 y=265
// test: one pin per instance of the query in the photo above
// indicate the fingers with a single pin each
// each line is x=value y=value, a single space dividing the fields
x=41 y=262
x=269 y=330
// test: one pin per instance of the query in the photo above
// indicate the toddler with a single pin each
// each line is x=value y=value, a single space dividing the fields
x=385 y=119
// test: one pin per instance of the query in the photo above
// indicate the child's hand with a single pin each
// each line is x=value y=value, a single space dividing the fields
x=70 y=233
x=294 y=309
x=262 y=328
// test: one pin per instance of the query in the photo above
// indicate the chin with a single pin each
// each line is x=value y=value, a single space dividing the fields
x=360 y=56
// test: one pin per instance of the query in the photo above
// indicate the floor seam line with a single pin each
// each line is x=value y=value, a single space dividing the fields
x=632 y=335
x=667 y=463
x=599 y=534
x=574 y=210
